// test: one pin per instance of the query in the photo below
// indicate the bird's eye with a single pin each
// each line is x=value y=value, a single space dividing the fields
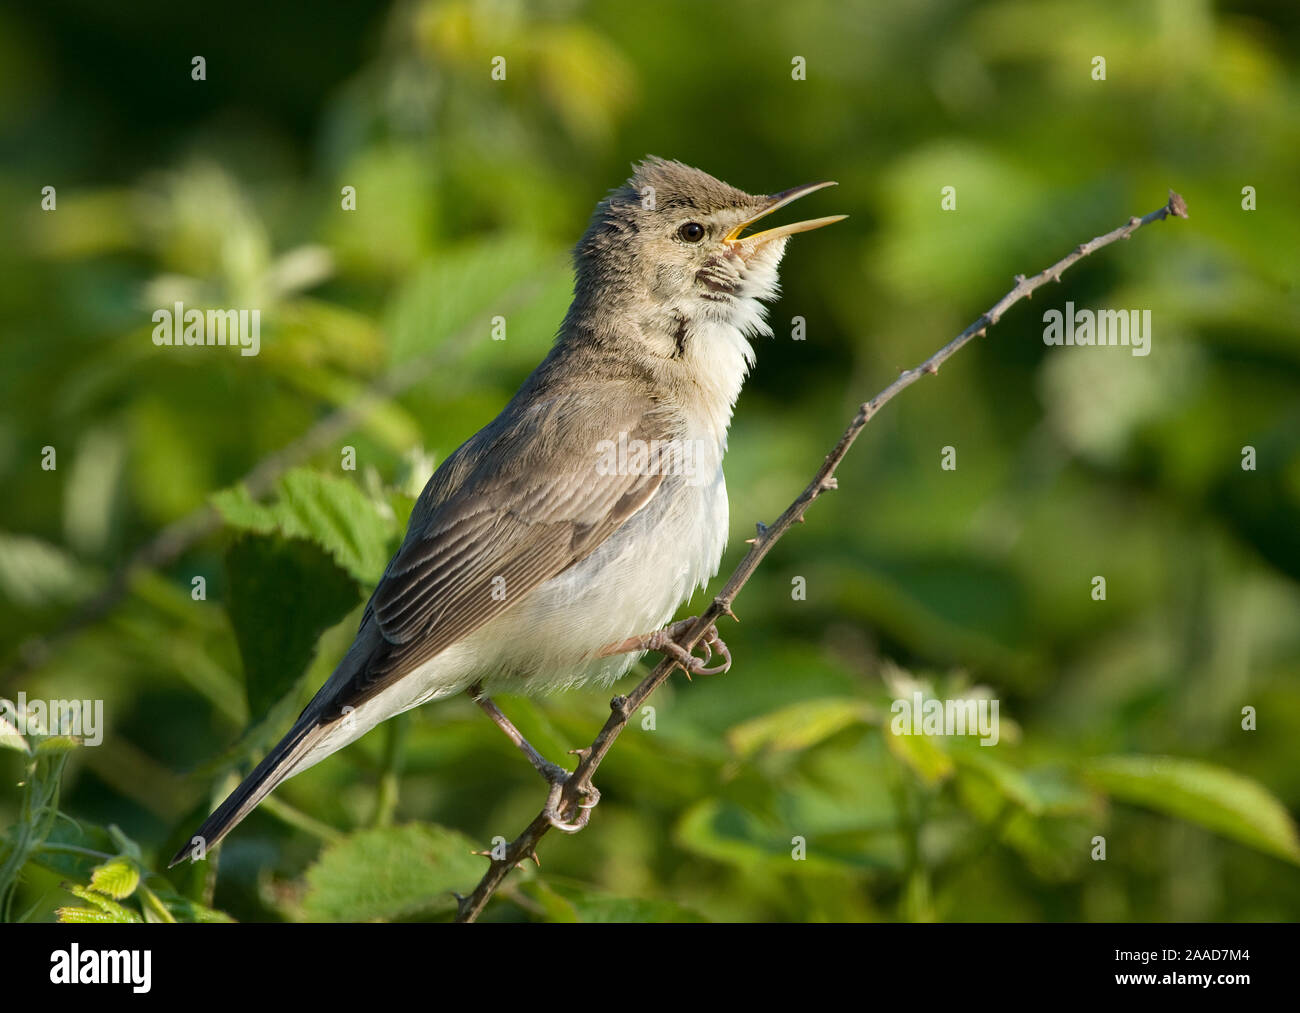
x=691 y=232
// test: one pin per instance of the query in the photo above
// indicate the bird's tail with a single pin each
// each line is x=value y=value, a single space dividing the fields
x=280 y=763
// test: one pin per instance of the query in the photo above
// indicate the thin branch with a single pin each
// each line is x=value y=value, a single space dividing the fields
x=623 y=707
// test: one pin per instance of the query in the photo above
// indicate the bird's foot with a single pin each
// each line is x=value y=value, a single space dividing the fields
x=559 y=778
x=665 y=642
x=556 y=776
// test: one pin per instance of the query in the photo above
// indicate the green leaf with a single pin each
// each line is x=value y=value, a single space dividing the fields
x=36 y=574
x=240 y=511
x=448 y=292
x=1050 y=846
x=186 y=910
x=799 y=725
x=343 y=520
x=104 y=909
x=89 y=916
x=555 y=908
x=729 y=833
x=60 y=849
x=923 y=754
x=331 y=512
x=391 y=872
x=129 y=848
x=1200 y=793
x=1010 y=783
x=117 y=878
x=57 y=744
x=283 y=594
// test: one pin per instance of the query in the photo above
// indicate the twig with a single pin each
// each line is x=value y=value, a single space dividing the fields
x=623 y=707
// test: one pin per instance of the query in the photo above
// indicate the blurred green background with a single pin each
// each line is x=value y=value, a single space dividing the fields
x=1072 y=462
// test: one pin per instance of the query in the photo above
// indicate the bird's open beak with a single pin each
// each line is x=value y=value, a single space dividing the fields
x=780 y=200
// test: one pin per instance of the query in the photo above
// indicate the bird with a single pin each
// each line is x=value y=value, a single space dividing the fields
x=551 y=548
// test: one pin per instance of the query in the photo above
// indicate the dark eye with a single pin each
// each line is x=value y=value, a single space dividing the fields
x=691 y=232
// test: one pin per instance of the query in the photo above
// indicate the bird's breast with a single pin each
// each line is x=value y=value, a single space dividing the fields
x=630 y=585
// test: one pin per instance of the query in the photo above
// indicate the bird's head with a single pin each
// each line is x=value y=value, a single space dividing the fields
x=671 y=240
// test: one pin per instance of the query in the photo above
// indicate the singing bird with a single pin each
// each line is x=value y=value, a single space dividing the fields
x=551 y=548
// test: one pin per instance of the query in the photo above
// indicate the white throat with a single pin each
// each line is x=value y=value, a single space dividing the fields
x=717 y=352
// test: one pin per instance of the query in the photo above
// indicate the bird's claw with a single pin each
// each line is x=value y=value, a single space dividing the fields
x=690 y=663
x=714 y=642
x=589 y=793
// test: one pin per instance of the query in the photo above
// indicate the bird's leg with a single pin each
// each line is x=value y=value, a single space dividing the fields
x=665 y=642
x=551 y=771
x=556 y=776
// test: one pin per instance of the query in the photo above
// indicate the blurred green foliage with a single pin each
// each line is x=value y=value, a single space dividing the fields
x=1120 y=718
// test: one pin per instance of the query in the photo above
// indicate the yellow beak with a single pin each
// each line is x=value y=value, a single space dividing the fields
x=780 y=200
